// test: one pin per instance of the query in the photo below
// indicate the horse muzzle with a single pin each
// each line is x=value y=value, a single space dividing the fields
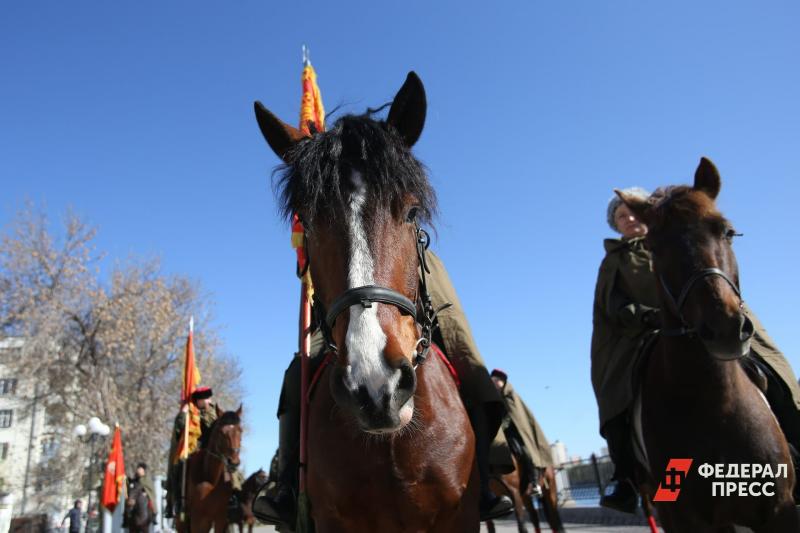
x=729 y=341
x=382 y=412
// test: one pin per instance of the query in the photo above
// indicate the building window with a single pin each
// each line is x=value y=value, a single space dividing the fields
x=8 y=386
x=3 y=451
x=49 y=448
x=6 y=415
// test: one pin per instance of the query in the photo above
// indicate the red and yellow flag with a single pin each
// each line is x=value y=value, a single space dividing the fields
x=114 y=480
x=312 y=117
x=191 y=379
x=311 y=109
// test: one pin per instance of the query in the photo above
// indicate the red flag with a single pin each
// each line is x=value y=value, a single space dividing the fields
x=114 y=479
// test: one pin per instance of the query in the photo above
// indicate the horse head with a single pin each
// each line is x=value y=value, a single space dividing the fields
x=360 y=194
x=691 y=244
x=226 y=436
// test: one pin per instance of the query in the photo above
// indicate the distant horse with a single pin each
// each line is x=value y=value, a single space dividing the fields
x=243 y=514
x=208 y=487
x=518 y=488
x=138 y=511
x=390 y=447
x=696 y=401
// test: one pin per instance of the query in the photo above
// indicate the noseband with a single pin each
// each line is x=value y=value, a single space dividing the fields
x=422 y=310
x=676 y=306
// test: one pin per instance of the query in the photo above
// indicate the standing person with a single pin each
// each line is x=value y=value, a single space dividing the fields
x=626 y=309
x=139 y=505
x=74 y=515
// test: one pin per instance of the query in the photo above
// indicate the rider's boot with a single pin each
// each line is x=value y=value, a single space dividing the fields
x=491 y=505
x=278 y=504
x=618 y=435
x=624 y=498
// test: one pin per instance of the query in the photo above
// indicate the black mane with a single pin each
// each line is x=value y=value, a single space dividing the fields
x=315 y=178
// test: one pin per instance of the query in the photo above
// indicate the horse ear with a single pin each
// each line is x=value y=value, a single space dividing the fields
x=706 y=178
x=407 y=114
x=239 y=411
x=280 y=136
x=640 y=206
x=219 y=411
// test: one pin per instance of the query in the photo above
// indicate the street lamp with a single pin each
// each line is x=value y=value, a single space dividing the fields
x=90 y=433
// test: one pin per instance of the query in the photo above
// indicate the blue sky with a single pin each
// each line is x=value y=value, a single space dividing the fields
x=139 y=116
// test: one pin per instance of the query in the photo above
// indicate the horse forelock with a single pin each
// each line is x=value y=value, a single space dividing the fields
x=683 y=205
x=315 y=181
x=228 y=418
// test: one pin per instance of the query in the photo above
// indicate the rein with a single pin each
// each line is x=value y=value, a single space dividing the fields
x=230 y=467
x=676 y=306
x=422 y=310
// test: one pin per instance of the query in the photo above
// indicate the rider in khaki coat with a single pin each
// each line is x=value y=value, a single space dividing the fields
x=523 y=435
x=626 y=309
x=208 y=415
x=481 y=399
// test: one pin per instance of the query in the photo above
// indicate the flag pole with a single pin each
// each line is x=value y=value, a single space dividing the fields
x=185 y=451
x=312 y=120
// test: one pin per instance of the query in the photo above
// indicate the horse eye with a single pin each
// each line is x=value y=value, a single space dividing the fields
x=412 y=214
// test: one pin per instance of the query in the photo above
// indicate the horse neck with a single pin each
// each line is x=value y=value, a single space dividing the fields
x=437 y=393
x=213 y=463
x=686 y=367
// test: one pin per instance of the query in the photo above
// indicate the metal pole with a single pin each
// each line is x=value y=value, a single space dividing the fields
x=305 y=346
x=30 y=448
x=597 y=475
x=91 y=481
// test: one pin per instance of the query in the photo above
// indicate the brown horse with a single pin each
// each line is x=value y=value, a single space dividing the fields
x=696 y=401
x=208 y=487
x=390 y=447
x=519 y=489
x=244 y=513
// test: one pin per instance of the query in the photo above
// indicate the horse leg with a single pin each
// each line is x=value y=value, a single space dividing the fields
x=533 y=514
x=549 y=500
x=490 y=526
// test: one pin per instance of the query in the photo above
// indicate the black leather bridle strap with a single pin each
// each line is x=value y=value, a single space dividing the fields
x=706 y=272
x=677 y=305
x=366 y=296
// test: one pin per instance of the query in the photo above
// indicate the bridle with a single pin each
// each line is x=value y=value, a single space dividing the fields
x=422 y=310
x=230 y=466
x=676 y=306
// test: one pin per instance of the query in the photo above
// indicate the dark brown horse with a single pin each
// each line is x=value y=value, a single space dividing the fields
x=244 y=512
x=208 y=487
x=520 y=490
x=696 y=401
x=390 y=447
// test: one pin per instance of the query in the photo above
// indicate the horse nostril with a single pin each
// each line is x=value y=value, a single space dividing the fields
x=747 y=329
x=407 y=376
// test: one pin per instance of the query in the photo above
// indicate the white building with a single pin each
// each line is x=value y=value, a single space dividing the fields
x=559 y=452
x=26 y=441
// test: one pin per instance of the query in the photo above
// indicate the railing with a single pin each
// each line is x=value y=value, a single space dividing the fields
x=584 y=480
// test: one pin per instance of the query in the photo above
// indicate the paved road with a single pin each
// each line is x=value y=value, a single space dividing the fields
x=506 y=526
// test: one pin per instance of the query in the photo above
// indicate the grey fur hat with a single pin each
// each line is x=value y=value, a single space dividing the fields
x=615 y=202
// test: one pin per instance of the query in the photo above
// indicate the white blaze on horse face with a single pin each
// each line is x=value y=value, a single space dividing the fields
x=365 y=338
